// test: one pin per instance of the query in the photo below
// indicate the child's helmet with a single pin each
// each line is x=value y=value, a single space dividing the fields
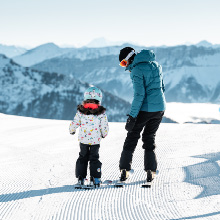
x=93 y=93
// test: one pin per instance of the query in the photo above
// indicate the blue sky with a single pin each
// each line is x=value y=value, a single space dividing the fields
x=158 y=22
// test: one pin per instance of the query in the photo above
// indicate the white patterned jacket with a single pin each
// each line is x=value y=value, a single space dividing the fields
x=92 y=127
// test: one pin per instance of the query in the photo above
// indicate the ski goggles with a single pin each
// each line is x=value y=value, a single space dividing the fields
x=124 y=62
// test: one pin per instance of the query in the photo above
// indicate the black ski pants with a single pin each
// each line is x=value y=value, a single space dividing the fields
x=88 y=153
x=150 y=121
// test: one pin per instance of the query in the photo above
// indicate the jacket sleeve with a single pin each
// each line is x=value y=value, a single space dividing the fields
x=139 y=92
x=104 y=128
x=75 y=123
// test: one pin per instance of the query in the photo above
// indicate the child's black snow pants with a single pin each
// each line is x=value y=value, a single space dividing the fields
x=150 y=121
x=88 y=153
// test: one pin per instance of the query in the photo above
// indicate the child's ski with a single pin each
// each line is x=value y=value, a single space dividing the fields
x=81 y=184
x=91 y=185
x=78 y=186
x=107 y=182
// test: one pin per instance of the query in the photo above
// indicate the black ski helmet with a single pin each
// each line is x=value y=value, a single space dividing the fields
x=124 y=52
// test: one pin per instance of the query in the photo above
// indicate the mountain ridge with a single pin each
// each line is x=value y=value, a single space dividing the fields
x=191 y=74
x=41 y=94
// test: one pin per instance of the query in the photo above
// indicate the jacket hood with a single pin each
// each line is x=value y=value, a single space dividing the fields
x=143 y=56
x=88 y=111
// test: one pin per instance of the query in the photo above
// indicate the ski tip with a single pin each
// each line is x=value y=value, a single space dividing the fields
x=146 y=186
x=119 y=186
x=107 y=182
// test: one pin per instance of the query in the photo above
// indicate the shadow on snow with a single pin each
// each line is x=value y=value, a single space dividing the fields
x=42 y=192
x=199 y=216
x=205 y=174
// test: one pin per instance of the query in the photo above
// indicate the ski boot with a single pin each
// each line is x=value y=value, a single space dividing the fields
x=149 y=180
x=124 y=175
x=94 y=183
x=123 y=178
x=97 y=182
x=150 y=175
x=80 y=183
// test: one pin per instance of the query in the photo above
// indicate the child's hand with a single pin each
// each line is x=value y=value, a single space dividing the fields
x=73 y=133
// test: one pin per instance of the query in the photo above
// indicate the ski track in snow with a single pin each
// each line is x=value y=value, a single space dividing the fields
x=37 y=159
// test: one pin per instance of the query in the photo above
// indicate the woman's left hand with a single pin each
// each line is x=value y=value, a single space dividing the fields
x=130 y=123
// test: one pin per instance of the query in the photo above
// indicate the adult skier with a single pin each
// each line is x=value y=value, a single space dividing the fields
x=147 y=108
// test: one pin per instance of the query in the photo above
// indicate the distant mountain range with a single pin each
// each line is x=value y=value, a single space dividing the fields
x=191 y=73
x=56 y=77
x=50 y=50
x=42 y=94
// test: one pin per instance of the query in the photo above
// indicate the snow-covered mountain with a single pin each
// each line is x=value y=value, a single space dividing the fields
x=48 y=51
x=102 y=42
x=102 y=71
x=11 y=51
x=47 y=95
x=205 y=43
x=40 y=53
x=191 y=73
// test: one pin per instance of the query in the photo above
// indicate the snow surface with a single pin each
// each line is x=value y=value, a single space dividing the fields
x=193 y=112
x=37 y=160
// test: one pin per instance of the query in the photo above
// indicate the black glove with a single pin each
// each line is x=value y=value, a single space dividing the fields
x=72 y=133
x=130 y=123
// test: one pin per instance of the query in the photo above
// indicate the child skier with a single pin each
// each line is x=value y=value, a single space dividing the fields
x=93 y=124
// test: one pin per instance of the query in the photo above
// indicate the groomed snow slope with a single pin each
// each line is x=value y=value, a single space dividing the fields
x=37 y=160
x=205 y=113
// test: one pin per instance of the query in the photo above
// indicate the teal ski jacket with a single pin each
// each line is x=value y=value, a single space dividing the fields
x=147 y=78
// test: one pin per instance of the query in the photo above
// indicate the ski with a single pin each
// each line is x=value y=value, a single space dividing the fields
x=78 y=186
x=147 y=184
x=107 y=182
x=81 y=185
x=91 y=185
x=120 y=184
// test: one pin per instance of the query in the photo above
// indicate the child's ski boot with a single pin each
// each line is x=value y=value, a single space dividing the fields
x=97 y=182
x=80 y=183
x=94 y=183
